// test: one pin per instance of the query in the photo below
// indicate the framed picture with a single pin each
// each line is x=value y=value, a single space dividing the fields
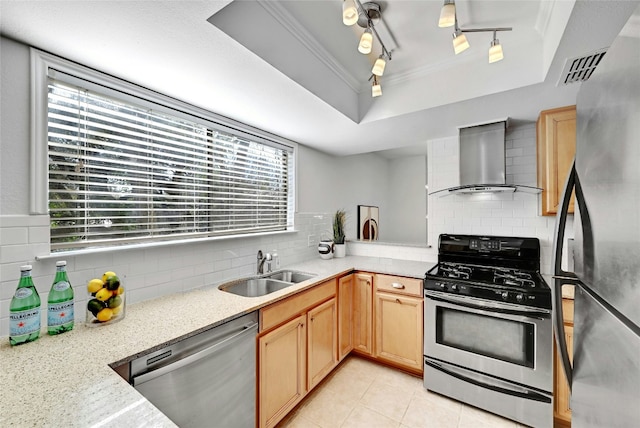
x=368 y=223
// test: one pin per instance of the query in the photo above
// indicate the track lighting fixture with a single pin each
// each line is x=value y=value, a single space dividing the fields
x=376 y=89
x=379 y=65
x=447 y=14
x=495 y=51
x=460 y=42
x=366 y=16
x=366 y=42
x=349 y=12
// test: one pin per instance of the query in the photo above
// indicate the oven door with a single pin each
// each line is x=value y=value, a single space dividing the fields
x=506 y=341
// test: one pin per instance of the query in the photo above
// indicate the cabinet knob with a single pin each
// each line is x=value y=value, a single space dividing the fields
x=398 y=301
x=397 y=285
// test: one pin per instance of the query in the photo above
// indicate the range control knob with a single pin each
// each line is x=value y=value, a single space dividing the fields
x=454 y=287
x=505 y=295
x=443 y=286
x=519 y=297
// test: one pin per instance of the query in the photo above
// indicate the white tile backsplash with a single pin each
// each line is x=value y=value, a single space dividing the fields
x=506 y=214
x=146 y=272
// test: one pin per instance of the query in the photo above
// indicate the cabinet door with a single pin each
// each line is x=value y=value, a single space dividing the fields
x=556 y=148
x=345 y=316
x=363 y=313
x=282 y=370
x=399 y=330
x=322 y=341
x=562 y=394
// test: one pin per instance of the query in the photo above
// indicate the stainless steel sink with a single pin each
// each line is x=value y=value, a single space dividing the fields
x=255 y=287
x=291 y=276
x=260 y=286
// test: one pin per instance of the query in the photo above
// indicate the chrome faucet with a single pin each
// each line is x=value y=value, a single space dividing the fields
x=261 y=259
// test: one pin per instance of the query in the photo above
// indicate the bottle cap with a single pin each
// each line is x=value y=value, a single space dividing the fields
x=61 y=263
x=25 y=267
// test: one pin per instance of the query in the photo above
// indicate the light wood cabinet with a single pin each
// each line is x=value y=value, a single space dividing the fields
x=282 y=373
x=399 y=322
x=556 y=147
x=322 y=341
x=345 y=315
x=561 y=393
x=363 y=313
x=297 y=348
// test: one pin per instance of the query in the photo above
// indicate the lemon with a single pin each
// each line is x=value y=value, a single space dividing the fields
x=116 y=310
x=106 y=275
x=120 y=290
x=94 y=285
x=103 y=294
x=104 y=315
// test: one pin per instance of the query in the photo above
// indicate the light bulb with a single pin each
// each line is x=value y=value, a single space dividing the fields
x=460 y=43
x=495 y=51
x=378 y=66
x=447 y=15
x=349 y=12
x=366 y=42
x=376 y=90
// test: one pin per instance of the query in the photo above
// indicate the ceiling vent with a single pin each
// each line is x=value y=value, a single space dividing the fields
x=580 y=69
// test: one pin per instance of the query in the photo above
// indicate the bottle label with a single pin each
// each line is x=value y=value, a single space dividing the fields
x=61 y=285
x=22 y=293
x=60 y=313
x=24 y=322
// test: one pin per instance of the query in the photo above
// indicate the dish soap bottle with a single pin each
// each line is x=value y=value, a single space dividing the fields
x=60 y=314
x=24 y=311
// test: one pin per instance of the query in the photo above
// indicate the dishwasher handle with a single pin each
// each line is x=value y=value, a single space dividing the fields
x=189 y=359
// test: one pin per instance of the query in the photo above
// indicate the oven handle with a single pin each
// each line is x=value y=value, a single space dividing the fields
x=472 y=303
x=481 y=381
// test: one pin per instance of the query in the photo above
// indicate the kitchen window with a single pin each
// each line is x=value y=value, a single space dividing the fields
x=124 y=168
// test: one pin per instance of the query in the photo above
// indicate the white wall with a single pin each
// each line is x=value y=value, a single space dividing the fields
x=407 y=202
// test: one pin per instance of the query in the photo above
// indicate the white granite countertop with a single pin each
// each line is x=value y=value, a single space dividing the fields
x=66 y=380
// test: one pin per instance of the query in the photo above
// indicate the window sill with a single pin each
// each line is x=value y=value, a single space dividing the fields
x=72 y=253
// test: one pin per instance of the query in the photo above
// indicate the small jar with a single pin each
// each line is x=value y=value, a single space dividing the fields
x=106 y=304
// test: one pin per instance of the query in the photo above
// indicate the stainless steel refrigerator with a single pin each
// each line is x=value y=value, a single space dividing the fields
x=605 y=377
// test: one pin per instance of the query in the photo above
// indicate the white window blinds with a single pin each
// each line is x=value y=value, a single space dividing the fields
x=122 y=173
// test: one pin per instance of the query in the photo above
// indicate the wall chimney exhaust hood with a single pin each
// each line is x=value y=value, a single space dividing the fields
x=483 y=162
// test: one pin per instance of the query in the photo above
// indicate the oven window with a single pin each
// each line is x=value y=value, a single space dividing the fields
x=505 y=340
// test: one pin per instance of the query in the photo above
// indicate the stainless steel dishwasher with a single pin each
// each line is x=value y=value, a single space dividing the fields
x=206 y=380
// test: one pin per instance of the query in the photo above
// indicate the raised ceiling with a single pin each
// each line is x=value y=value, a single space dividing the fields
x=292 y=68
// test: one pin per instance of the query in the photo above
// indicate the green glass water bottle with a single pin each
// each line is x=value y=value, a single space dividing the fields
x=24 y=311
x=60 y=314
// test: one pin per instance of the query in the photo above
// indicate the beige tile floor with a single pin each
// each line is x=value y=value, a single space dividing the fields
x=360 y=393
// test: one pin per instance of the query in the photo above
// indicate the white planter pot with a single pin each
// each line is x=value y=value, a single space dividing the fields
x=339 y=250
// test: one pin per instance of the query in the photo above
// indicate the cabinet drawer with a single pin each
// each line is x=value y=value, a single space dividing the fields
x=284 y=310
x=567 y=310
x=399 y=284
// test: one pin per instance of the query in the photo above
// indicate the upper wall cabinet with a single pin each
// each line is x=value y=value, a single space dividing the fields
x=556 y=148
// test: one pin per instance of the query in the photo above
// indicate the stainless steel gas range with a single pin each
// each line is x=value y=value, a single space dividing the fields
x=487 y=327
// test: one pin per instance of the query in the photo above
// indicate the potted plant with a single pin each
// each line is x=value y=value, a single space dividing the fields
x=339 y=220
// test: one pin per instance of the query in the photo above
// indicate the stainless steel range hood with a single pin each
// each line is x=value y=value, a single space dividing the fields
x=483 y=162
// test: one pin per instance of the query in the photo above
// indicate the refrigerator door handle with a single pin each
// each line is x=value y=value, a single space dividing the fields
x=561 y=277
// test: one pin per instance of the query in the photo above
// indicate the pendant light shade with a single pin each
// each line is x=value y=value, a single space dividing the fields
x=495 y=51
x=378 y=66
x=376 y=89
x=366 y=42
x=447 y=14
x=349 y=12
x=460 y=43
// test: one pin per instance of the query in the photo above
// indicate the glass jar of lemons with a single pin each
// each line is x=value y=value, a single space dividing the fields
x=106 y=300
